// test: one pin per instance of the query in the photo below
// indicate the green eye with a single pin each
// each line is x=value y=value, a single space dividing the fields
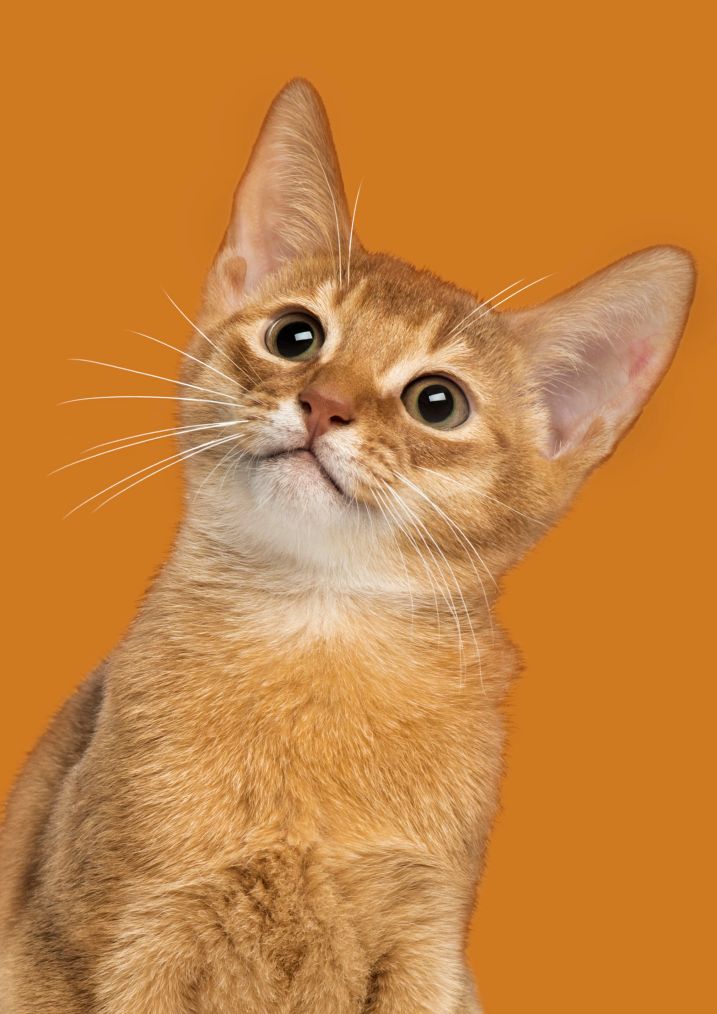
x=437 y=402
x=295 y=336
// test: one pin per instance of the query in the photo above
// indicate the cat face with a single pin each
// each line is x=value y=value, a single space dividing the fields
x=364 y=405
x=360 y=413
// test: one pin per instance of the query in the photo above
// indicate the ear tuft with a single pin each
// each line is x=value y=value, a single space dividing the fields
x=289 y=204
x=599 y=349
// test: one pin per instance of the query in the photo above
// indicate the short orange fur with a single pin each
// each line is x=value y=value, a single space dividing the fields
x=276 y=792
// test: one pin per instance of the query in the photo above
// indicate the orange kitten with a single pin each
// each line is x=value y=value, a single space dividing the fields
x=276 y=793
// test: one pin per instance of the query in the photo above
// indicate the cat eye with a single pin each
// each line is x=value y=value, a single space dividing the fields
x=437 y=402
x=296 y=335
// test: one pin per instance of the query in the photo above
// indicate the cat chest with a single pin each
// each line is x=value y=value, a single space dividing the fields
x=314 y=743
x=331 y=766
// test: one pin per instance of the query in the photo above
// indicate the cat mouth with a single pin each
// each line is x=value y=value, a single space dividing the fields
x=304 y=454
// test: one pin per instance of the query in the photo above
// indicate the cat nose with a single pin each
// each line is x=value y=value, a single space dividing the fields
x=323 y=409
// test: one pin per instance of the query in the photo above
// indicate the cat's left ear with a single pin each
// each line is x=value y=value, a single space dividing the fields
x=598 y=351
x=290 y=202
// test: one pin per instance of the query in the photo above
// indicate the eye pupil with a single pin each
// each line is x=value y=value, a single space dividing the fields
x=295 y=335
x=294 y=338
x=435 y=403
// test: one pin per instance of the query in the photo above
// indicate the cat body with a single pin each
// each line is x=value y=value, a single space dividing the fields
x=276 y=793
x=260 y=830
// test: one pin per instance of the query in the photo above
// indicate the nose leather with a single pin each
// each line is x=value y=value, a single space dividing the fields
x=324 y=408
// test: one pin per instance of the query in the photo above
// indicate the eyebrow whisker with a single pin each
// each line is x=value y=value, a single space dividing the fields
x=481 y=305
x=516 y=293
x=351 y=235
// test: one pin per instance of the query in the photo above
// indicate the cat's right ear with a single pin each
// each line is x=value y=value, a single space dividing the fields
x=290 y=202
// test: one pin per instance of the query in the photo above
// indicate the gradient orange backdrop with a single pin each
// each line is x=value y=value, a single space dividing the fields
x=494 y=143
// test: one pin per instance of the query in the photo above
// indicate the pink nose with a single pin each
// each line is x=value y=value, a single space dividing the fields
x=324 y=409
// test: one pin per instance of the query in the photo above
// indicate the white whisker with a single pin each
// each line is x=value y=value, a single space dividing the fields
x=403 y=558
x=516 y=293
x=144 y=397
x=336 y=213
x=203 y=448
x=233 y=462
x=171 y=458
x=203 y=335
x=188 y=355
x=178 y=431
x=450 y=602
x=152 y=376
x=168 y=430
x=419 y=522
x=393 y=512
x=481 y=305
x=351 y=235
x=487 y=496
x=456 y=528
x=464 y=539
x=209 y=474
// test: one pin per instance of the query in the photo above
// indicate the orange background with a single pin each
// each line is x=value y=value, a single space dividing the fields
x=494 y=143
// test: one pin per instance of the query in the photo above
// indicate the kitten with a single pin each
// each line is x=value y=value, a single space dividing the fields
x=276 y=792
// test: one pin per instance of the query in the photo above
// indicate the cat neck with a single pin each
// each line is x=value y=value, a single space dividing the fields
x=245 y=571
x=215 y=601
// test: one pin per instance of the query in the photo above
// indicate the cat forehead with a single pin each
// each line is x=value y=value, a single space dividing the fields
x=391 y=317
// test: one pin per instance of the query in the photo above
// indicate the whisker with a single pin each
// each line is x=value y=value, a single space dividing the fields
x=455 y=581
x=336 y=213
x=204 y=336
x=150 y=433
x=516 y=293
x=464 y=539
x=403 y=558
x=148 y=440
x=188 y=355
x=512 y=295
x=351 y=235
x=393 y=513
x=233 y=462
x=481 y=305
x=152 y=376
x=456 y=528
x=208 y=476
x=201 y=362
x=172 y=458
x=486 y=496
x=448 y=596
x=144 y=397
x=369 y=514
x=190 y=454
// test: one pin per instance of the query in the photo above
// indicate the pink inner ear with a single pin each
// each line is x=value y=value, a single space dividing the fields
x=609 y=380
x=641 y=354
x=600 y=348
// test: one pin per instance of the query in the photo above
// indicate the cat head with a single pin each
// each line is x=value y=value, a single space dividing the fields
x=363 y=414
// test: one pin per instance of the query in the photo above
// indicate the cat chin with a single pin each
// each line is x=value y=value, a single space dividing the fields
x=294 y=487
x=298 y=474
x=288 y=504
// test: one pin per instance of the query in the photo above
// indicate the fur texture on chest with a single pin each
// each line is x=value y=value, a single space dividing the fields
x=306 y=718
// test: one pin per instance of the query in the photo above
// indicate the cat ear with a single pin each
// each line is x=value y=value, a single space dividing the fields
x=289 y=204
x=599 y=350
